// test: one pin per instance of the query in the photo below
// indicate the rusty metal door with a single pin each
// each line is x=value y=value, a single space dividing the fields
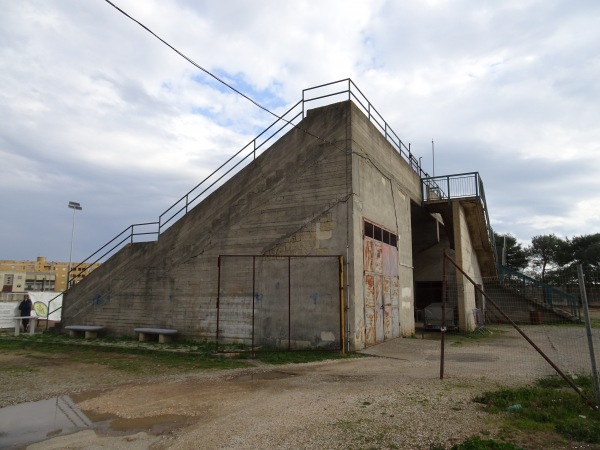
x=382 y=315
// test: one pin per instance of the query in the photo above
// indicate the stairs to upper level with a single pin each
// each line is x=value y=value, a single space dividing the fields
x=526 y=300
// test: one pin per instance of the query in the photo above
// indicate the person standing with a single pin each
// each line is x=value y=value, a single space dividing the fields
x=25 y=308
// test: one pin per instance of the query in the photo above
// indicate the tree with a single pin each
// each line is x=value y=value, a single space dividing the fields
x=547 y=251
x=585 y=250
x=516 y=256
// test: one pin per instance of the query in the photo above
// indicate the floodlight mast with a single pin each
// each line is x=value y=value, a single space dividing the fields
x=75 y=207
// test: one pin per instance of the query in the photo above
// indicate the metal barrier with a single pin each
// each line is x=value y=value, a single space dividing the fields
x=458 y=186
x=315 y=96
x=532 y=288
x=280 y=303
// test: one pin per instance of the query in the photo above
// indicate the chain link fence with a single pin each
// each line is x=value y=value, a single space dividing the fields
x=519 y=327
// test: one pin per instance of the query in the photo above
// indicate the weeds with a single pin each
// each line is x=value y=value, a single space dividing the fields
x=548 y=405
x=128 y=354
x=476 y=443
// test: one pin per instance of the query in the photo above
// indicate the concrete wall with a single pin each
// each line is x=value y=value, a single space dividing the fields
x=291 y=199
x=466 y=258
x=384 y=185
x=305 y=195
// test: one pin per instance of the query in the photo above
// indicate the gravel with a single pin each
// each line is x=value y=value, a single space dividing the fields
x=391 y=398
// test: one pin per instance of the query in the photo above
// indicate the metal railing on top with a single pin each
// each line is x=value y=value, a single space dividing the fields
x=457 y=186
x=315 y=96
x=323 y=94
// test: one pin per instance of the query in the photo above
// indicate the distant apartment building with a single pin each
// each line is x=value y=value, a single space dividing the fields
x=40 y=275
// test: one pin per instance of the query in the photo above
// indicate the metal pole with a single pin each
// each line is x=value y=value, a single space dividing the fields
x=71 y=251
x=289 y=303
x=218 y=301
x=522 y=333
x=341 y=281
x=253 y=301
x=433 y=158
x=75 y=207
x=443 y=328
x=588 y=329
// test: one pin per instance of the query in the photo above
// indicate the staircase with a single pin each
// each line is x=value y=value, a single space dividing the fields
x=526 y=300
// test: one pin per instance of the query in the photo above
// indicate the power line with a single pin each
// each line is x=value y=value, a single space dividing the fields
x=188 y=59
x=195 y=64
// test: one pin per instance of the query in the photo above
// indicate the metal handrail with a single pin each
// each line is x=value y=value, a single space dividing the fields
x=457 y=186
x=131 y=233
x=128 y=234
x=371 y=112
x=226 y=170
x=513 y=278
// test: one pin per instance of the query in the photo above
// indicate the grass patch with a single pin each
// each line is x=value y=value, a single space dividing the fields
x=595 y=323
x=130 y=355
x=476 y=443
x=119 y=357
x=475 y=336
x=17 y=371
x=549 y=405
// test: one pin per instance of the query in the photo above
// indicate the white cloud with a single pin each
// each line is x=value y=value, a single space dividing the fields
x=98 y=110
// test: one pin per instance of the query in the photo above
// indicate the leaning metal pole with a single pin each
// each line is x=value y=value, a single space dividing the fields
x=522 y=333
x=443 y=327
x=588 y=329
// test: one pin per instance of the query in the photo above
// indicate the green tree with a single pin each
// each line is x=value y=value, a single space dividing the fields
x=585 y=250
x=516 y=255
x=547 y=251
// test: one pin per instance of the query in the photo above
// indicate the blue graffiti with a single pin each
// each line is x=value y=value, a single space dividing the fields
x=258 y=297
x=100 y=300
x=314 y=297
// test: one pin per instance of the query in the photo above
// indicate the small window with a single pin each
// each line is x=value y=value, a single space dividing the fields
x=368 y=229
x=377 y=234
x=386 y=236
x=380 y=234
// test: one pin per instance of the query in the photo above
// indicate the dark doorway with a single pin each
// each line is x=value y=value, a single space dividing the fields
x=426 y=293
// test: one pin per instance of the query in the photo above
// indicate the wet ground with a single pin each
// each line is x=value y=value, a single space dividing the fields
x=332 y=404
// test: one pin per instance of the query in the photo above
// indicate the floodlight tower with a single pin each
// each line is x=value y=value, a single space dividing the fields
x=75 y=207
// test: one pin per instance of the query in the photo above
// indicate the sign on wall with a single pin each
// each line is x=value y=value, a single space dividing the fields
x=42 y=302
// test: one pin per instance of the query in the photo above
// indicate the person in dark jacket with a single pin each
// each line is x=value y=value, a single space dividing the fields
x=25 y=308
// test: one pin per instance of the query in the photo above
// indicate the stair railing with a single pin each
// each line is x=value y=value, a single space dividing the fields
x=315 y=96
x=529 y=287
x=457 y=186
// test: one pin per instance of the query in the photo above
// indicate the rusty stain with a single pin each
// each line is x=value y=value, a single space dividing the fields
x=368 y=255
x=378 y=261
x=382 y=291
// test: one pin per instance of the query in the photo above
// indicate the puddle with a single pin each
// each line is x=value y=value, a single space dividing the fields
x=35 y=421
x=260 y=376
x=31 y=422
x=109 y=424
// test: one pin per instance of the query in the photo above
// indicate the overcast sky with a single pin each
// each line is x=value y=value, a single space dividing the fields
x=96 y=110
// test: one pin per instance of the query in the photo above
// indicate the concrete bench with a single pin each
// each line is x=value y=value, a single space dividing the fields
x=89 y=331
x=32 y=321
x=164 y=334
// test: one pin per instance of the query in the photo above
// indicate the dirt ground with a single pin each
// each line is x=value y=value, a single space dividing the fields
x=391 y=398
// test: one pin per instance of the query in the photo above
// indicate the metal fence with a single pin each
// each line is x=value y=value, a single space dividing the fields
x=312 y=97
x=280 y=303
x=528 y=338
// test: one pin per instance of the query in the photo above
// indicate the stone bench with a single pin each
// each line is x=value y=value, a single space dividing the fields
x=89 y=331
x=164 y=334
